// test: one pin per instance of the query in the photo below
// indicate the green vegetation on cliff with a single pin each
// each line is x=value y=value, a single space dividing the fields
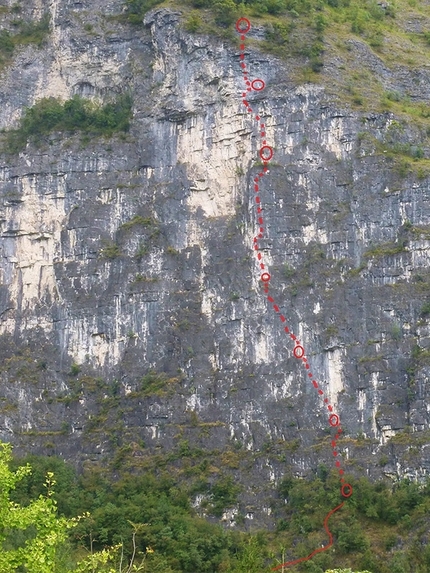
x=150 y=513
x=50 y=115
x=341 y=44
x=34 y=32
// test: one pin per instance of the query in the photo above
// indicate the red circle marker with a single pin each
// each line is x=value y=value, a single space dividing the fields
x=266 y=153
x=346 y=486
x=258 y=89
x=269 y=150
x=299 y=351
x=247 y=25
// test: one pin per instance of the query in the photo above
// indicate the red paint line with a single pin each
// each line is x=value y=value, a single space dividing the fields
x=243 y=26
x=320 y=549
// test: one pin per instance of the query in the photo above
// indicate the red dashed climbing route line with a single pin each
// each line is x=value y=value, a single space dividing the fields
x=243 y=26
x=320 y=549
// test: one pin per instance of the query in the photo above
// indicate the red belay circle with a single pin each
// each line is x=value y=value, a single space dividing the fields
x=243 y=26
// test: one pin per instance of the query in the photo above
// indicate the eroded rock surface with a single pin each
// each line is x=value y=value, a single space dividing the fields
x=91 y=291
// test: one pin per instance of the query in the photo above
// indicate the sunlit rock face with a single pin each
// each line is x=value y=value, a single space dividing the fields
x=93 y=298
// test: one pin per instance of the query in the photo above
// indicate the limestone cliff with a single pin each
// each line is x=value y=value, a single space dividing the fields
x=132 y=313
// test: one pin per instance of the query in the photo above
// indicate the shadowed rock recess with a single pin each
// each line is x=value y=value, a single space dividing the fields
x=133 y=321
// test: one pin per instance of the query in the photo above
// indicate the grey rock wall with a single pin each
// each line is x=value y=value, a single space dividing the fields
x=347 y=248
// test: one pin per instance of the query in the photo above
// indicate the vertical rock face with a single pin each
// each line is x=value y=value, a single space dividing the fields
x=134 y=254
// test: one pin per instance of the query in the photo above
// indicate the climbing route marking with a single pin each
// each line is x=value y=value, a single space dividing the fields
x=243 y=26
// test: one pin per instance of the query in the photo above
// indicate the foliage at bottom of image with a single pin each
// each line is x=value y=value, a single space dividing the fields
x=78 y=114
x=52 y=519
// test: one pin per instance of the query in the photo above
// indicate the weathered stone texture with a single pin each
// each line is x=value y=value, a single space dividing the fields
x=188 y=163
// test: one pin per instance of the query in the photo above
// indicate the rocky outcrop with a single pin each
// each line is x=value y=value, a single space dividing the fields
x=131 y=255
